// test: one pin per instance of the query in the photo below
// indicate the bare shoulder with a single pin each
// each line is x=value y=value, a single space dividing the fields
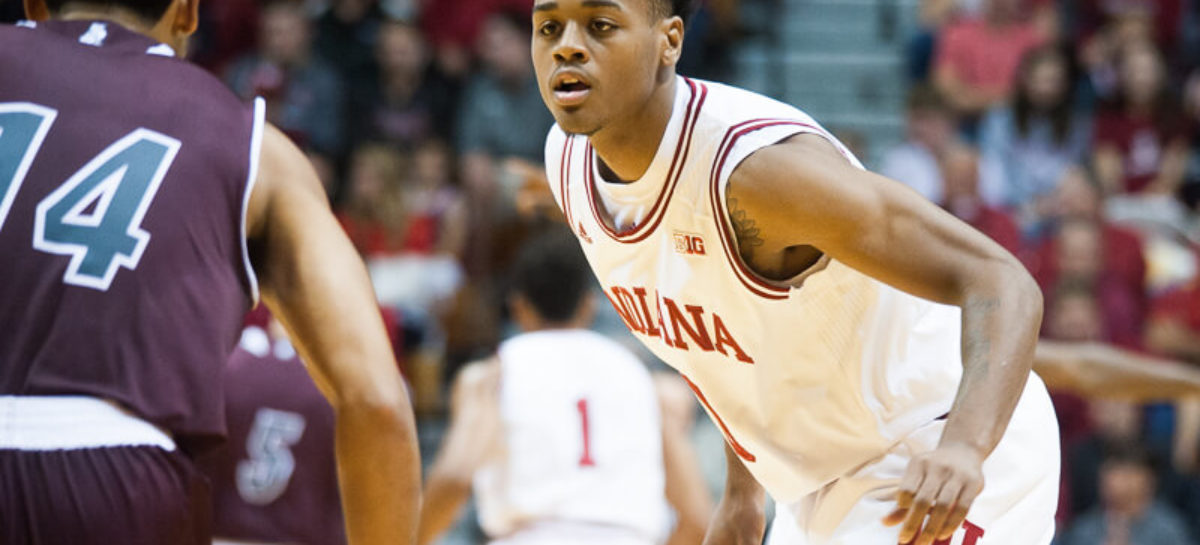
x=784 y=166
x=283 y=173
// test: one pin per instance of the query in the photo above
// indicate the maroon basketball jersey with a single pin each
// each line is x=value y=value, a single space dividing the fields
x=275 y=481
x=123 y=178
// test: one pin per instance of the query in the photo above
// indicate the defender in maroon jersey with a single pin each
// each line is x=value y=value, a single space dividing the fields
x=138 y=198
x=275 y=480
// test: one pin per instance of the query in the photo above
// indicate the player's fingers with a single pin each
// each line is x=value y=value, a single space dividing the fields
x=904 y=496
x=940 y=513
x=922 y=502
x=895 y=517
x=962 y=505
x=954 y=521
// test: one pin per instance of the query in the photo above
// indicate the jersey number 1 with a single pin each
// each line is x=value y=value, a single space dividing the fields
x=585 y=460
x=95 y=216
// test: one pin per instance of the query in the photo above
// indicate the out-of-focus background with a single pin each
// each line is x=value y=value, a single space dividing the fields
x=1069 y=131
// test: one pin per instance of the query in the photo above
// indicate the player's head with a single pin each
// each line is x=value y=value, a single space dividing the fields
x=168 y=21
x=550 y=283
x=599 y=61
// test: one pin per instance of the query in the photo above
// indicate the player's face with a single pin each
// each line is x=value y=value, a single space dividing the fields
x=598 y=60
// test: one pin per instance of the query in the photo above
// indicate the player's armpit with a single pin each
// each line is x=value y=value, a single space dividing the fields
x=315 y=283
x=473 y=436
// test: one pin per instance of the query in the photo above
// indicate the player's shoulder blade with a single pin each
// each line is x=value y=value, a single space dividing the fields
x=125 y=205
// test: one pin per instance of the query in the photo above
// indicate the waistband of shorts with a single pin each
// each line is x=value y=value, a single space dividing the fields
x=73 y=422
x=593 y=531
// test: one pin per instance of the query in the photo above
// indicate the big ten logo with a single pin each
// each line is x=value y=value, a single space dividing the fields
x=689 y=244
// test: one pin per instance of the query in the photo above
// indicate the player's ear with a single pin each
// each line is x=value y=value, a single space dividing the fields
x=671 y=45
x=36 y=10
x=187 y=17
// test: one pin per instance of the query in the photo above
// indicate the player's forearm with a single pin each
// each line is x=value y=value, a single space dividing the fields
x=444 y=497
x=740 y=518
x=1001 y=316
x=378 y=470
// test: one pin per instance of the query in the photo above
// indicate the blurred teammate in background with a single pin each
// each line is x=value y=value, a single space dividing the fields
x=559 y=435
x=866 y=354
x=275 y=480
x=135 y=194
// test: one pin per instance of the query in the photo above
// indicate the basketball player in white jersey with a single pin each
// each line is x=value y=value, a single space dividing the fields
x=560 y=432
x=866 y=354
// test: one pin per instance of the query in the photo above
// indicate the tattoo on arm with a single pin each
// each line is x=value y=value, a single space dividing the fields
x=749 y=238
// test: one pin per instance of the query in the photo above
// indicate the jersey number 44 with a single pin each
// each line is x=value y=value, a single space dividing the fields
x=95 y=216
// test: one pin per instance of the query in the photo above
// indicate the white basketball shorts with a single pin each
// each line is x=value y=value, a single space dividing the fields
x=1016 y=507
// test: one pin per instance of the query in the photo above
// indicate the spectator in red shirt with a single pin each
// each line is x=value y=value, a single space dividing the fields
x=373 y=215
x=1140 y=143
x=1174 y=326
x=977 y=59
x=453 y=27
x=960 y=174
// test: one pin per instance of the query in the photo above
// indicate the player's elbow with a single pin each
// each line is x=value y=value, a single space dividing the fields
x=384 y=403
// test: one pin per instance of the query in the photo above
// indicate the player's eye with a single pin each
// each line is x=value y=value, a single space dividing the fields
x=601 y=25
x=548 y=28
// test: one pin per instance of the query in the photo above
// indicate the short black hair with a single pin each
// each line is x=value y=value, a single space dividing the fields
x=669 y=8
x=1129 y=452
x=552 y=274
x=149 y=10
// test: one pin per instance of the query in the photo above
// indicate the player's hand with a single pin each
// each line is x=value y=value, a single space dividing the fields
x=941 y=484
x=736 y=523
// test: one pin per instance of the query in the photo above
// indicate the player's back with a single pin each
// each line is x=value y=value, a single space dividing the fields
x=583 y=443
x=124 y=174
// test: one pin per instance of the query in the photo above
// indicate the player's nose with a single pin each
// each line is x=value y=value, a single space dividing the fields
x=570 y=46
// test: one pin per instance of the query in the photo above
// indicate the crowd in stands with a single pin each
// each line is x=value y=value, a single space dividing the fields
x=1068 y=132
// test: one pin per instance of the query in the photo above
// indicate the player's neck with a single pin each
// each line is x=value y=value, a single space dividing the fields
x=627 y=146
x=115 y=14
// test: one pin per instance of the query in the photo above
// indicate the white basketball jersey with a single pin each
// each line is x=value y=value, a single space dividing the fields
x=807 y=379
x=583 y=439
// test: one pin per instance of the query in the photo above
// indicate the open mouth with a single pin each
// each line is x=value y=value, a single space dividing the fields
x=570 y=90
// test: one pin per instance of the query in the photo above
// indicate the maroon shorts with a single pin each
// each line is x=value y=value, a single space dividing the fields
x=127 y=495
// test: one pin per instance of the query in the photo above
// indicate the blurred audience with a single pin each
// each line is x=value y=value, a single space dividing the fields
x=1173 y=328
x=929 y=132
x=960 y=174
x=1034 y=138
x=303 y=94
x=408 y=100
x=977 y=58
x=1129 y=513
x=1140 y=143
x=346 y=33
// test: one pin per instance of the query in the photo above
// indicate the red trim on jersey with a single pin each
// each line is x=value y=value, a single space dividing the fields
x=733 y=442
x=563 y=186
x=755 y=283
x=639 y=233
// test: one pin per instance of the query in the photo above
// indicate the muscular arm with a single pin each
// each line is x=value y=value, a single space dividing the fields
x=802 y=194
x=313 y=281
x=1102 y=371
x=473 y=435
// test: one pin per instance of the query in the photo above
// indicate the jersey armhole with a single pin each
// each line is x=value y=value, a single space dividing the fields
x=740 y=142
x=256 y=135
